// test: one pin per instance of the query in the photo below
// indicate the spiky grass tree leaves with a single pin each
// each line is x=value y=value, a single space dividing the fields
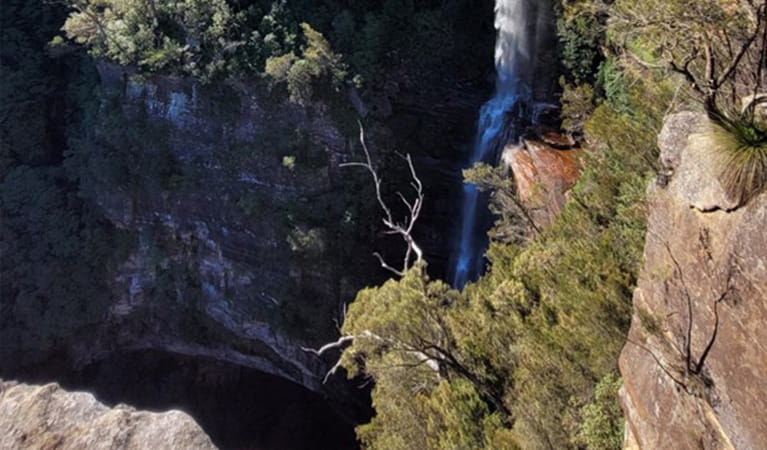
x=740 y=152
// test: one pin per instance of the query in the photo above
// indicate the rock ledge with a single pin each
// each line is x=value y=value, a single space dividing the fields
x=47 y=417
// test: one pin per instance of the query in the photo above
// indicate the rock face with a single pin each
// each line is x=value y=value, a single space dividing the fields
x=245 y=237
x=694 y=364
x=238 y=249
x=543 y=175
x=47 y=417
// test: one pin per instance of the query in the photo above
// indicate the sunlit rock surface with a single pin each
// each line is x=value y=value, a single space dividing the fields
x=47 y=417
x=543 y=175
x=705 y=275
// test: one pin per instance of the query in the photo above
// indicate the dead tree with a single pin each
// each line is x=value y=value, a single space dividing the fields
x=720 y=68
x=404 y=229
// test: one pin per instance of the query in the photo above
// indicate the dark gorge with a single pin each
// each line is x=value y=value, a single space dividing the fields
x=207 y=233
x=384 y=224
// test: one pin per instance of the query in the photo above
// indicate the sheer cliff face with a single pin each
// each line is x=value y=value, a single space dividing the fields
x=244 y=247
x=248 y=236
x=694 y=362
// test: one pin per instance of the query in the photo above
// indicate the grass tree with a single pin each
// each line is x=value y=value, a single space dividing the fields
x=719 y=47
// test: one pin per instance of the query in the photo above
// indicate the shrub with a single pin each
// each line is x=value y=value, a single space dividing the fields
x=577 y=106
x=602 y=427
x=310 y=242
x=580 y=36
x=278 y=67
x=289 y=162
x=299 y=73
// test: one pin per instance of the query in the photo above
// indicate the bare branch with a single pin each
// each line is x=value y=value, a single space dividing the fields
x=666 y=370
x=743 y=49
x=386 y=266
x=332 y=371
x=404 y=229
x=320 y=351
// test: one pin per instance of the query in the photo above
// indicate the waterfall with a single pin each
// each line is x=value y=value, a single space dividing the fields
x=520 y=29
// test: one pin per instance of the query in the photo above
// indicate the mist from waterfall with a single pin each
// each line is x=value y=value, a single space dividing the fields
x=518 y=33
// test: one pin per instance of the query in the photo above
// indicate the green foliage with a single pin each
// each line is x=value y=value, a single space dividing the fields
x=602 y=427
x=217 y=39
x=612 y=81
x=581 y=31
x=514 y=225
x=577 y=302
x=538 y=337
x=56 y=248
x=317 y=60
x=422 y=344
x=310 y=242
x=55 y=254
x=577 y=106
x=278 y=67
x=189 y=36
x=289 y=162
x=716 y=47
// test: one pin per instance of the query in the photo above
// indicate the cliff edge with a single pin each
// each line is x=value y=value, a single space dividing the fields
x=694 y=363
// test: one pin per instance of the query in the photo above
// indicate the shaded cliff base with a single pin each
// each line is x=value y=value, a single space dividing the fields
x=236 y=406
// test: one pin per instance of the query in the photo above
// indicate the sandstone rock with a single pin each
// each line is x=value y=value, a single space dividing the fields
x=698 y=180
x=673 y=137
x=543 y=176
x=712 y=263
x=558 y=140
x=47 y=417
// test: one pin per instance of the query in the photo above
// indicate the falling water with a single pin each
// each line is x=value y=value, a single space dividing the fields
x=518 y=25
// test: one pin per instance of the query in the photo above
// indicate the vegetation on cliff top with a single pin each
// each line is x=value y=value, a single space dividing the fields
x=286 y=40
x=719 y=48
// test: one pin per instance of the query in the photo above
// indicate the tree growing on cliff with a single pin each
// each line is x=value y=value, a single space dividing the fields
x=719 y=47
x=426 y=348
x=189 y=36
x=317 y=60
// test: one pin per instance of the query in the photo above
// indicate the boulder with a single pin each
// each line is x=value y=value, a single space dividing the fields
x=47 y=417
x=543 y=176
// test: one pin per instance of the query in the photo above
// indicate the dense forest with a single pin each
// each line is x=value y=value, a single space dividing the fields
x=526 y=356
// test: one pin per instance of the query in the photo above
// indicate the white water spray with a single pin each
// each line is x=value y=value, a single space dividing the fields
x=518 y=29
